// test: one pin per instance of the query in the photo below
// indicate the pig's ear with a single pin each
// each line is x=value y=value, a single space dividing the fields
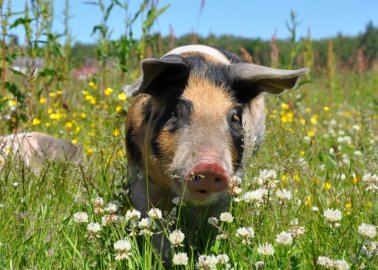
x=250 y=80
x=161 y=77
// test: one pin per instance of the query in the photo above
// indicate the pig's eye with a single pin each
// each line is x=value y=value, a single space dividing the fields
x=173 y=120
x=235 y=119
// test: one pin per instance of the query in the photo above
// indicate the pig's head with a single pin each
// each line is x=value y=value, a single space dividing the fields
x=199 y=117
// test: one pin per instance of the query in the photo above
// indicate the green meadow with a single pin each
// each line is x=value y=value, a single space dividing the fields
x=308 y=199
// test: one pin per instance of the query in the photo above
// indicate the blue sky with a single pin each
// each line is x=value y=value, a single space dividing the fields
x=248 y=18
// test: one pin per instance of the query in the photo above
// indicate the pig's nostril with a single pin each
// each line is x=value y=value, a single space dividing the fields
x=217 y=180
x=202 y=191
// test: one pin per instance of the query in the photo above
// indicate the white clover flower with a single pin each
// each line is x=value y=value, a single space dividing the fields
x=226 y=217
x=123 y=248
x=267 y=179
x=266 y=249
x=145 y=226
x=371 y=180
x=324 y=261
x=180 y=258
x=315 y=209
x=356 y=127
x=98 y=204
x=259 y=264
x=255 y=196
x=108 y=219
x=223 y=258
x=207 y=262
x=155 y=213
x=221 y=236
x=340 y=265
x=284 y=238
x=80 y=217
x=246 y=234
x=234 y=186
x=132 y=215
x=212 y=221
x=357 y=153
x=283 y=195
x=176 y=238
x=111 y=208
x=367 y=230
x=332 y=215
x=94 y=227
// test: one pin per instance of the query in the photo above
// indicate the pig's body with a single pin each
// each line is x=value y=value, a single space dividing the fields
x=197 y=118
x=35 y=148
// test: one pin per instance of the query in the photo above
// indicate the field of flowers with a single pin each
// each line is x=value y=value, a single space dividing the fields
x=308 y=199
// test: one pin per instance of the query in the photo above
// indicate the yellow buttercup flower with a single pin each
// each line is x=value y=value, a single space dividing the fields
x=36 y=121
x=122 y=96
x=90 y=152
x=42 y=100
x=118 y=108
x=92 y=85
x=326 y=108
x=327 y=186
x=108 y=91
x=116 y=132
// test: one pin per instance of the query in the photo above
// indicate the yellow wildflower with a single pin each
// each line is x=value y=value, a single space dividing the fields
x=68 y=125
x=118 y=108
x=85 y=92
x=355 y=180
x=92 y=85
x=59 y=92
x=122 y=96
x=89 y=152
x=284 y=178
x=47 y=124
x=116 y=132
x=308 y=201
x=326 y=108
x=74 y=141
x=52 y=94
x=36 y=121
x=314 y=119
x=311 y=134
x=327 y=186
x=83 y=115
x=348 y=205
x=296 y=178
x=42 y=100
x=108 y=91
x=12 y=103
x=284 y=106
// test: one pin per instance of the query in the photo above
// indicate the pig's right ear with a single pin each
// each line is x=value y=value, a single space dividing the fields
x=161 y=77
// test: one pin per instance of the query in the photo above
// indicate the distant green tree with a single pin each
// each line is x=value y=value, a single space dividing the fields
x=369 y=42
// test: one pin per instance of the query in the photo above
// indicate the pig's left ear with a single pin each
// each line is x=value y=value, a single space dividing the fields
x=249 y=80
x=161 y=77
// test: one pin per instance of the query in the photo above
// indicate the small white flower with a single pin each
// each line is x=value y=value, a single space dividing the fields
x=155 y=213
x=340 y=265
x=132 y=215
x=176 y=238
x=226 y=217
x=315 y=209
x=221 y=236
x=123 y=248
x=371 y=180
x=234 y=186
x=145 y=226
x=111 y=208
x=283 y=195
x=284 y=238
x=98 y=204
x=265 y=249
x=93 y=230
x=259 y=264
x=180 y=258
x=267 y=179
x=80 y=217
x=357 y=153
x=212 y=221
x=367 y=230
x=324 y=261
x=255 y=196
x=246 y=234
x=332 y=215
x=207 y=262
x=356 y=127
x=223 y=258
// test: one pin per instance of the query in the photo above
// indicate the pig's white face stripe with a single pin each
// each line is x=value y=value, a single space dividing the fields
x=216 y=54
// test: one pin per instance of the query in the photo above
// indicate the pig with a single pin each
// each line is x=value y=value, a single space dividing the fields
x=196 y=119
x=35 y=149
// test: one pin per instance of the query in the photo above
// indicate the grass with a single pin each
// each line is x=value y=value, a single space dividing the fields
x=319 y=142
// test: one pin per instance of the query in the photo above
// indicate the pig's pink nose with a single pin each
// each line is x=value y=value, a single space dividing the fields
x=206 y=178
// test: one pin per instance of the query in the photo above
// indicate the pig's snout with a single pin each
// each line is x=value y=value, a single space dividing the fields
x=206 y=178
